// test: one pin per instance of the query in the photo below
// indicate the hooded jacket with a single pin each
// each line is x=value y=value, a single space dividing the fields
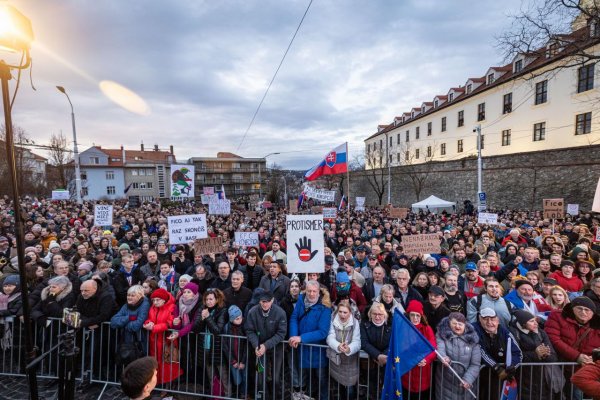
x=51 y=306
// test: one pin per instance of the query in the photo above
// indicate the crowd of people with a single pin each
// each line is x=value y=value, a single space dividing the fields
x=516 y=297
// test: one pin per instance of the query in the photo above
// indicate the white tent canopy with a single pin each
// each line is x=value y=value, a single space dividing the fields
x=433 y=204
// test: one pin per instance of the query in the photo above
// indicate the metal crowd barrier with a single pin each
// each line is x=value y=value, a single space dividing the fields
x=208 y=370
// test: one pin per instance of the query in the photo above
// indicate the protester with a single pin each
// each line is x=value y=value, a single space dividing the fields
x=140 y=378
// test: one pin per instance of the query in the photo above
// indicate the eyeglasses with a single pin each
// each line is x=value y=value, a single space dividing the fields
x=583 y=309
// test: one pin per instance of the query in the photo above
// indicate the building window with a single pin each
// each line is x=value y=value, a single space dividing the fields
x=443 y=124
x=95 y=160
x=391 y=140
x=490 y=79
x=552 y=50
x=518 y=66
x=461 y=118
x=149 y=185
x=507 y=103
x=417 y=132
x=142 y=172
x=381 y=144
x=436 y=103
x=417 y=154
x=83 y=175
x=443 y=149
x=539 y=131
x=134 y=172
x=407 y=155
x=583 y=123
x=481 y=142
x=541 y=92
x=398 y=139
x=594 y=28
x=135 y=185
x=481 y=112
x=407 y=136
x=506 y=137
x=428 y=151
x=110 y=175
x=84 y=191
x=390 y=159
x=380 y=160
x=585 y=78
x=149 y=172
x=469 y=88
x=368 y=147
x=110 y=190
x=429 y=128
x=142 y=185
x=398 y=158
x=459 y=147
x=450 y=97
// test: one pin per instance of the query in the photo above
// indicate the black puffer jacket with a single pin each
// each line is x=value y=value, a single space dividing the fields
x=375 y=340
x=51 y=306
x=97 y=309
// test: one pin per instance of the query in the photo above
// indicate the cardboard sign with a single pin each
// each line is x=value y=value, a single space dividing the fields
x=398 y=212
x=61 y=195
x=251 y=214
x=487 y=218
x=554 y=208
x=187 y=228
x=319 y=194
x=597 y=238
x=209 y=246
x=249 y=239
x=316 y=209
x=293 y=206
x=573 y=209
x=208 y=190
x=421 y=244
x=219 y=207
x=329 y=212
x=305 y=243
x=103 y=215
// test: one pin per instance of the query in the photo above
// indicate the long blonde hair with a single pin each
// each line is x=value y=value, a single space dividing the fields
x=551 y=301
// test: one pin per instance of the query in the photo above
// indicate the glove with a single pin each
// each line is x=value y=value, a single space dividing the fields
x=502 y=374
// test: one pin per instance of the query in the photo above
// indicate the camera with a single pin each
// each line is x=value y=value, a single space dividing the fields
x=71 y=318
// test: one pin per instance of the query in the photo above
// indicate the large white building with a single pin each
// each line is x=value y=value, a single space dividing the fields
x=526 y=105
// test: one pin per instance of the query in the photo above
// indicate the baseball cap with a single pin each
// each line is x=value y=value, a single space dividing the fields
x=361 y=248
x=329 y=260
x=487 y=312
x=436 y=290
x=471 y=266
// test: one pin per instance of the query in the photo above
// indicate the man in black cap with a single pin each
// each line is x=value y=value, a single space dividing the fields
x=434 y=307
x=327 y=278
x=266 y=328
x=547 y=284
x=360 y=259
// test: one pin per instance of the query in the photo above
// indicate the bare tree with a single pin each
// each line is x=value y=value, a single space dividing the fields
x=27 y=179
x=547 y=28
x=376 y=172
x=418 y=165
x=60 y=157
x=274 y=183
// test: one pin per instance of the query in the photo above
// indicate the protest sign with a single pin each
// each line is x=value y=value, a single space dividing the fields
x=398 y=212
x=208 y=198
x=61 y=195
x=187 y=228
x=487 y=218
x=209 y=246
x=573 y=209
x=266 y=204
x=103 y=215
x=251 y=214
x=208 y=190
x=316 y=209
x=293 y=206
x=246 y=239
x=219 y=207
x=182 y=181
x=319 y=194
x=360 y=204
x=305 y=243
x=329 y=212
x=597 y=238
x=421 y=244
x=554 y=208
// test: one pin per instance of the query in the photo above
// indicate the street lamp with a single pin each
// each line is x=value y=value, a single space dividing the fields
x=285 y=196
x=16 y=35
x=75 y=150
x=260 y=176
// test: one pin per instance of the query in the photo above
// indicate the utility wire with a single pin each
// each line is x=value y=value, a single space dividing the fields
x=274 y=76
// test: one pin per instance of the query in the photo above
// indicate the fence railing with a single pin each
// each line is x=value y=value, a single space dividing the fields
x=226 y=367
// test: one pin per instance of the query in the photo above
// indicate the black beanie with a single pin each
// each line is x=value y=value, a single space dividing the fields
x=584 y=302
x=522 y=317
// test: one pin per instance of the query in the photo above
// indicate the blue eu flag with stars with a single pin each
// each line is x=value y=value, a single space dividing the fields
x=407 y=348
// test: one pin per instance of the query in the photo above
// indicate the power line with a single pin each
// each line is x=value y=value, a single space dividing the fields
x=274 y=76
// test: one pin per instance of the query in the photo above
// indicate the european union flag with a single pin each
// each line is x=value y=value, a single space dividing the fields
x=407 y=348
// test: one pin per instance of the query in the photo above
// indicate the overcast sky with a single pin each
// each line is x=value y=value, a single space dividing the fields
x=203 y=66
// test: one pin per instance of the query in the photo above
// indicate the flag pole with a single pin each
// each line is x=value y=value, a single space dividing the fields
x=348 y=178
x=454 y=372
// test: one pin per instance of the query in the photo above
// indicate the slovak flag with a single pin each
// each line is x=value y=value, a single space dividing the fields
x=300 y=200
x=343 y=203
x=221 y=194
x=335 y=162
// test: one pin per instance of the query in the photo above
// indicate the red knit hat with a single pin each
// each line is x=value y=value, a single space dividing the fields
x=162 y=294
x=415 y=306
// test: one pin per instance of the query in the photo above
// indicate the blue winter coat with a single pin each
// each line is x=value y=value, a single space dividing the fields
x=131 y=321
x=312 y=326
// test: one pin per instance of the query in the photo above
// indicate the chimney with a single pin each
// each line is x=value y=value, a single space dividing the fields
x=155 y=147
x=123 y=152
x=171 y=149
x=142 y=146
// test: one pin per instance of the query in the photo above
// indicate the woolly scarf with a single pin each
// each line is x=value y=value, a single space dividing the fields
x=185 y=307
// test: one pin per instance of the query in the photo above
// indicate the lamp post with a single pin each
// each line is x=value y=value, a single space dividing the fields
x=260 y=176
x=16 y=34
x=75 y=150
x=285 y=196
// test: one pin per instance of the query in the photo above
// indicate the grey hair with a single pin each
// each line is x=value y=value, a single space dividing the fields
x=313 y=283
x=61 y=281
x=402 y=271
x=136 y=289
x=238 y=272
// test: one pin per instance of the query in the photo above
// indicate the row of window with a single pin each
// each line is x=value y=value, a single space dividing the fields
x=141 y=185
x=142 y=172
x=585 y=82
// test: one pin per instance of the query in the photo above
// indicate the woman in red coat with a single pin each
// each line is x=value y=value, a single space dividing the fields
x=160 y=318
x=417 y=381
x=566 y=277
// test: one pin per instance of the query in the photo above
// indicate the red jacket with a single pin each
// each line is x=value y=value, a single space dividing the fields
x=419 y=378
x=564 y=331
x=573 y=284
x=588 y=379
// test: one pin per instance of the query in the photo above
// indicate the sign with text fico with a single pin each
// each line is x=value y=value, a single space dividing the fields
x=187 y=228
x=554 y=208
x=305 y=243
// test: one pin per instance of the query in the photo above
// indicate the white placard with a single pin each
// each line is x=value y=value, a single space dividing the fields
x=329 y=212
x=319 y=194
x=103 y=215
x=487 y=218
x=249 y=239
x=61 y=195
x=208 y=190
x=219 y=207
x=305 y=243
x=573 y=209
x=360 y=204
x=187 y=228
x=208 y=198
